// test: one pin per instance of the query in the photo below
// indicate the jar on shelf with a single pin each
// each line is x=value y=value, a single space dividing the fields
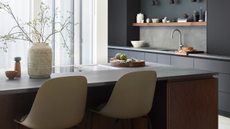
x=140 y=17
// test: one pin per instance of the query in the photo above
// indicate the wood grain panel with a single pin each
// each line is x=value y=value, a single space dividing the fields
x=193 y=104
x=172 y=24
x=14 y=106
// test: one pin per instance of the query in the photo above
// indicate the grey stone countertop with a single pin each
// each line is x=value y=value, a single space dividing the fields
x=171 y=52
x=99 y=77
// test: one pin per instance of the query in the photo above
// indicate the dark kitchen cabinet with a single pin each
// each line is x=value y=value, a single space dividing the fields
x=163 y=59
x=223 y=67
x=151 y=57
x=121 y=15
x=224 y=102
x=185 y=62
x=224 y=83
x=218 y=27
x=212 y=65
x=137 y=55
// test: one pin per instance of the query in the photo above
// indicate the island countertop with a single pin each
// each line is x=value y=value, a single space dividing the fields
x=101 y=77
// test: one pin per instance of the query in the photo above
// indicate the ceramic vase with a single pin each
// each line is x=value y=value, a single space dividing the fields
x=196 y=18
x=40 y=60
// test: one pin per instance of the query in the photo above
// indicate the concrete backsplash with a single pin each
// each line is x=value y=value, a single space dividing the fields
x=160 y=37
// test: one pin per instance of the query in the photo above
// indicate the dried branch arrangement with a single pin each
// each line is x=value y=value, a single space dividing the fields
x=36 y=35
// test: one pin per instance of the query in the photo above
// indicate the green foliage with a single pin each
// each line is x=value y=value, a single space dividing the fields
x=196 y=12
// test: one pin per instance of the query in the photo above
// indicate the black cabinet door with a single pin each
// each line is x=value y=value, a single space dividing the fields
x=218 y=27
x=117 y=22
x=137 y=55
x=121 y=16
x=163 y=59
x=185 y=62
x=151 y=57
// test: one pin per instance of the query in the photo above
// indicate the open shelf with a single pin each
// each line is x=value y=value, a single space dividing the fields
x=172 y=24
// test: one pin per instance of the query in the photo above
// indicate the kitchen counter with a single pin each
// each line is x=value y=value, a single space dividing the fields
x=171 y=52
x=98 y=75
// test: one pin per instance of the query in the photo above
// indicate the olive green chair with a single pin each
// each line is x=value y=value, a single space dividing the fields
x=59 y=104
x=132 y=97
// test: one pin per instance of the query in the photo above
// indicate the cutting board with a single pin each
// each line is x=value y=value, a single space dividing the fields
x=186 y=53
x=140 y=63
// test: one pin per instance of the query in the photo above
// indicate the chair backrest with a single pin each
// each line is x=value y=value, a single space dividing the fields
x=132 y=96
x=59 y=103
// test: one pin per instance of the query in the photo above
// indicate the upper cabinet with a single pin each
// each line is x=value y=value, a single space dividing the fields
x=121 y=15
x=218 y=27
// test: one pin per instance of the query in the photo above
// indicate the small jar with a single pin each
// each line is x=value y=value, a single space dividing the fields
x=147 y=20
x=140 y=17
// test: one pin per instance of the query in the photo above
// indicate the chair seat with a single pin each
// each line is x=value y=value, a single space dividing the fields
x=20 y=119
x=131 y=98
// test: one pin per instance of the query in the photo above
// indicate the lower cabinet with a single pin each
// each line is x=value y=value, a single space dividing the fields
x=223 y=67
x=151 y=57
x=224 y=83
x=185 y=62
x=224 y=102
x=113 y=52
x=163 y=59
x=137 y=55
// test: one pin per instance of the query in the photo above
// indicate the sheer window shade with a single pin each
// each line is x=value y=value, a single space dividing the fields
x=21 y=9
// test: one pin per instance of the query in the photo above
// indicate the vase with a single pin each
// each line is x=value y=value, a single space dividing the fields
x=196 y=18
x=40 y=60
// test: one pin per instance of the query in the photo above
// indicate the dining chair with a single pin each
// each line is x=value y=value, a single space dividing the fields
x=131 y=97
x=59 y=104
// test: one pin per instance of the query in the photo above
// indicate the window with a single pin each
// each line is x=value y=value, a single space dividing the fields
x=21 y=9
x=87 y=43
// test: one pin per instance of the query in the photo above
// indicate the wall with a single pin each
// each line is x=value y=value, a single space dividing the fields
x=160 y=37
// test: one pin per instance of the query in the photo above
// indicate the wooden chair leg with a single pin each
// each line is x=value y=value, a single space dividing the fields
x=116 y=123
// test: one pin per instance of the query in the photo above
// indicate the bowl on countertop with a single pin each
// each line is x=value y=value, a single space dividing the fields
x=137 y=43
x=11 y=74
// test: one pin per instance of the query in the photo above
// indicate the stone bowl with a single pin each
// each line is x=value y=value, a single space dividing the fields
x=11 y=74
x=137 y=43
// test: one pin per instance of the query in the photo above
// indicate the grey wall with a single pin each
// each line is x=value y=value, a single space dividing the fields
x=171 y=11
x=160 y=37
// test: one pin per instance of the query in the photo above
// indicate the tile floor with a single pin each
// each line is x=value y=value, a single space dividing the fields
x=224 y=122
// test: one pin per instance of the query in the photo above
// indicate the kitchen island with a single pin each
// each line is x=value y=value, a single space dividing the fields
x=184 y=98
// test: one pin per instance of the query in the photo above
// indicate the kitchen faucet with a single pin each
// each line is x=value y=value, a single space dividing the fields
x=180 y=43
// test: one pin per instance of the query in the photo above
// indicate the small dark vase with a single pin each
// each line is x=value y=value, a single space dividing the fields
x=196 y=18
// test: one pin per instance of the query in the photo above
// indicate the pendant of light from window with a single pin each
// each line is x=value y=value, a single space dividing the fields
x=153 y=3
x=193 y=0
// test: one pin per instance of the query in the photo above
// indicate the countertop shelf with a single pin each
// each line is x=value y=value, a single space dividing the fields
x=172 y=24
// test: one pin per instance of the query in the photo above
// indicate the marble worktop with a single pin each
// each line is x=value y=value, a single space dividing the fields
x=171 y=52
x=98 y=75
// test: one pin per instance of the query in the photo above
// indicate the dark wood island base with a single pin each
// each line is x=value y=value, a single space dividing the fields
x=178 y=104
